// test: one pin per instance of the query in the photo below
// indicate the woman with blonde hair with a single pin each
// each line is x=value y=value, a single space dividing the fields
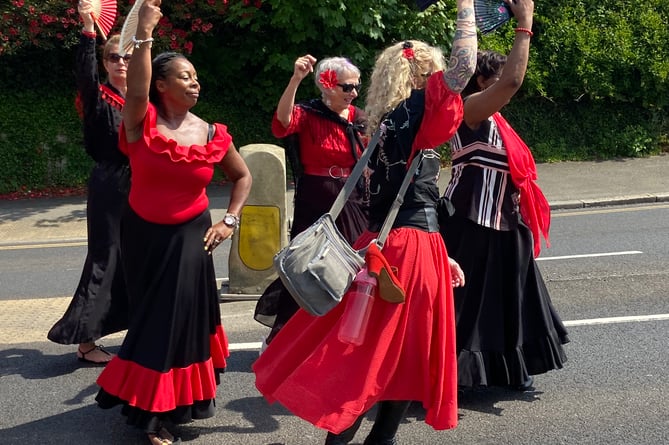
x=409 y=349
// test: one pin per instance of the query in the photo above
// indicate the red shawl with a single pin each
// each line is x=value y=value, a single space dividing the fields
x=534 y=207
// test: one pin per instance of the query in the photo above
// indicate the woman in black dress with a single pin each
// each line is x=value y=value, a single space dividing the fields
x=99 y=305
x=507 y=327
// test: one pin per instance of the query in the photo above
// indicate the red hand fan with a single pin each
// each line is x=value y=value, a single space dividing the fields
x=104 y=15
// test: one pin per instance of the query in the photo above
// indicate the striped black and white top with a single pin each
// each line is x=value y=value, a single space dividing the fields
x=481 y=188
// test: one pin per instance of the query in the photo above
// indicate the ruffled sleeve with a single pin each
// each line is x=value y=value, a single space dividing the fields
x=212 y=153
x=444 y=112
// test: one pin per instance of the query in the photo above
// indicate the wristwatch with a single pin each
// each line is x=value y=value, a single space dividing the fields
x=231 y=220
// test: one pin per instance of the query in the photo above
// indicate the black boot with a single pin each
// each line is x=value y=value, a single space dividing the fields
x=387 y=422
x=345 y=436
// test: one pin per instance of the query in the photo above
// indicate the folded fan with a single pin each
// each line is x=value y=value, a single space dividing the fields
x=491 y=14
x=129 y=28
x=104 y=15
x=423 y=4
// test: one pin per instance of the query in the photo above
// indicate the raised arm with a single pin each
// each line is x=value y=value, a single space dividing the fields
x=139 y=71
x=480 y=106
x=86 y=68
x=284 y=110
x=462 y=62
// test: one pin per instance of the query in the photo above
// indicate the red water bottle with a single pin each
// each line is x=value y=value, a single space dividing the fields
x=359 y=299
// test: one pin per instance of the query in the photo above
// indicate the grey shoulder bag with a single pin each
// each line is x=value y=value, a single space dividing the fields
x=319 y=265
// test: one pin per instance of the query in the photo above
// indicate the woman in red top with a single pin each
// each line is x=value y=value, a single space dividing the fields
x=168 y=366
x=324 y=139
x=409 y=348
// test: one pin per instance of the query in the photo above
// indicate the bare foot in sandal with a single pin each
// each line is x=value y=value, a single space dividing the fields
x=163 y=437
x=92 y=353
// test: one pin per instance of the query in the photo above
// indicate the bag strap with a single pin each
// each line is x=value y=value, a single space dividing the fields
x=399 y=199
x=352 y=180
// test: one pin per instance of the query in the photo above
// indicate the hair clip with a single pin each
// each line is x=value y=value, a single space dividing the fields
x=407 y=50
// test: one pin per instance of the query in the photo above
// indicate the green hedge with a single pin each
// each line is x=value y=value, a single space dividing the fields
x=597 y=85
x=587 y=130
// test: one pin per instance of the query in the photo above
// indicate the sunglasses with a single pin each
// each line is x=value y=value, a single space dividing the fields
x=348 y=87
x=116 y=58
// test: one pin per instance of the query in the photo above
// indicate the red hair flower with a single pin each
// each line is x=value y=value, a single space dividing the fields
x=407 y=50
x=328 y=79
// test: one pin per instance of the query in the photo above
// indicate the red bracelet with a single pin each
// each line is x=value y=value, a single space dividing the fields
x=525 y=30
x=89 y=34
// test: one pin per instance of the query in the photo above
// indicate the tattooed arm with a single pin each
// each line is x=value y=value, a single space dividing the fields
x=462 y=62
x=496 y=91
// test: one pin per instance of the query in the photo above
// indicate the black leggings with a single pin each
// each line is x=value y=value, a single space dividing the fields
x=387 y=422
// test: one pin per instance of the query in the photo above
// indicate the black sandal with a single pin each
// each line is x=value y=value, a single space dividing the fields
x=82 y=357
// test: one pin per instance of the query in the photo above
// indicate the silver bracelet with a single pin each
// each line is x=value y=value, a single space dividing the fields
x=138 y=43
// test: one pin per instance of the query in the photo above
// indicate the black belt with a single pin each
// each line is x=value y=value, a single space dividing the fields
x=421 y=218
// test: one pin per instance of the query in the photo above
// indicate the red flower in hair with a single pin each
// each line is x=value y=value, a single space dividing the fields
x=407 y=50
x=328 y=79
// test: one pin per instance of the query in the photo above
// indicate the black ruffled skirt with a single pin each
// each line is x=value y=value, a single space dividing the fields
x=168 y=366
x=507 y=326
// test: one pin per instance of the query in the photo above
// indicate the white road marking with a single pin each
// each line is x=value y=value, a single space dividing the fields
x=244 y=346
x=611 y=320
x=28 y=320
x=44 y=245
x=589 y=255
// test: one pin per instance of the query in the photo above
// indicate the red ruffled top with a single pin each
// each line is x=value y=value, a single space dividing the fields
x=169 y=180
x=323 y=143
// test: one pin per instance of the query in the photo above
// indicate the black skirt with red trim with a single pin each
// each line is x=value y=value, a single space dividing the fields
x=169 y=363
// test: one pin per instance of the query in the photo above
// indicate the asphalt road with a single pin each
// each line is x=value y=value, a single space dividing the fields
x=607 y=271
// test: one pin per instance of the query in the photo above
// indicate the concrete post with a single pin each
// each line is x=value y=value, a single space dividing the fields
x=263 y=227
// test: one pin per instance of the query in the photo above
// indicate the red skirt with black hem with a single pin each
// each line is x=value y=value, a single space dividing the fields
x=169 y=363
x=408 y=352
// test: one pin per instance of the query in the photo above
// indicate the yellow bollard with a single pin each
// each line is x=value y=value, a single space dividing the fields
x=263 y=224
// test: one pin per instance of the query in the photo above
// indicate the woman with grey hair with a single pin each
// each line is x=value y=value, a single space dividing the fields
x=323 y=140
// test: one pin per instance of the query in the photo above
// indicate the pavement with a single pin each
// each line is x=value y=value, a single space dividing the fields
x=566 y=185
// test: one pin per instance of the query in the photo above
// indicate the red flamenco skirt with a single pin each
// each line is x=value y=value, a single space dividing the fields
x=408 y=352
x=169 y=363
